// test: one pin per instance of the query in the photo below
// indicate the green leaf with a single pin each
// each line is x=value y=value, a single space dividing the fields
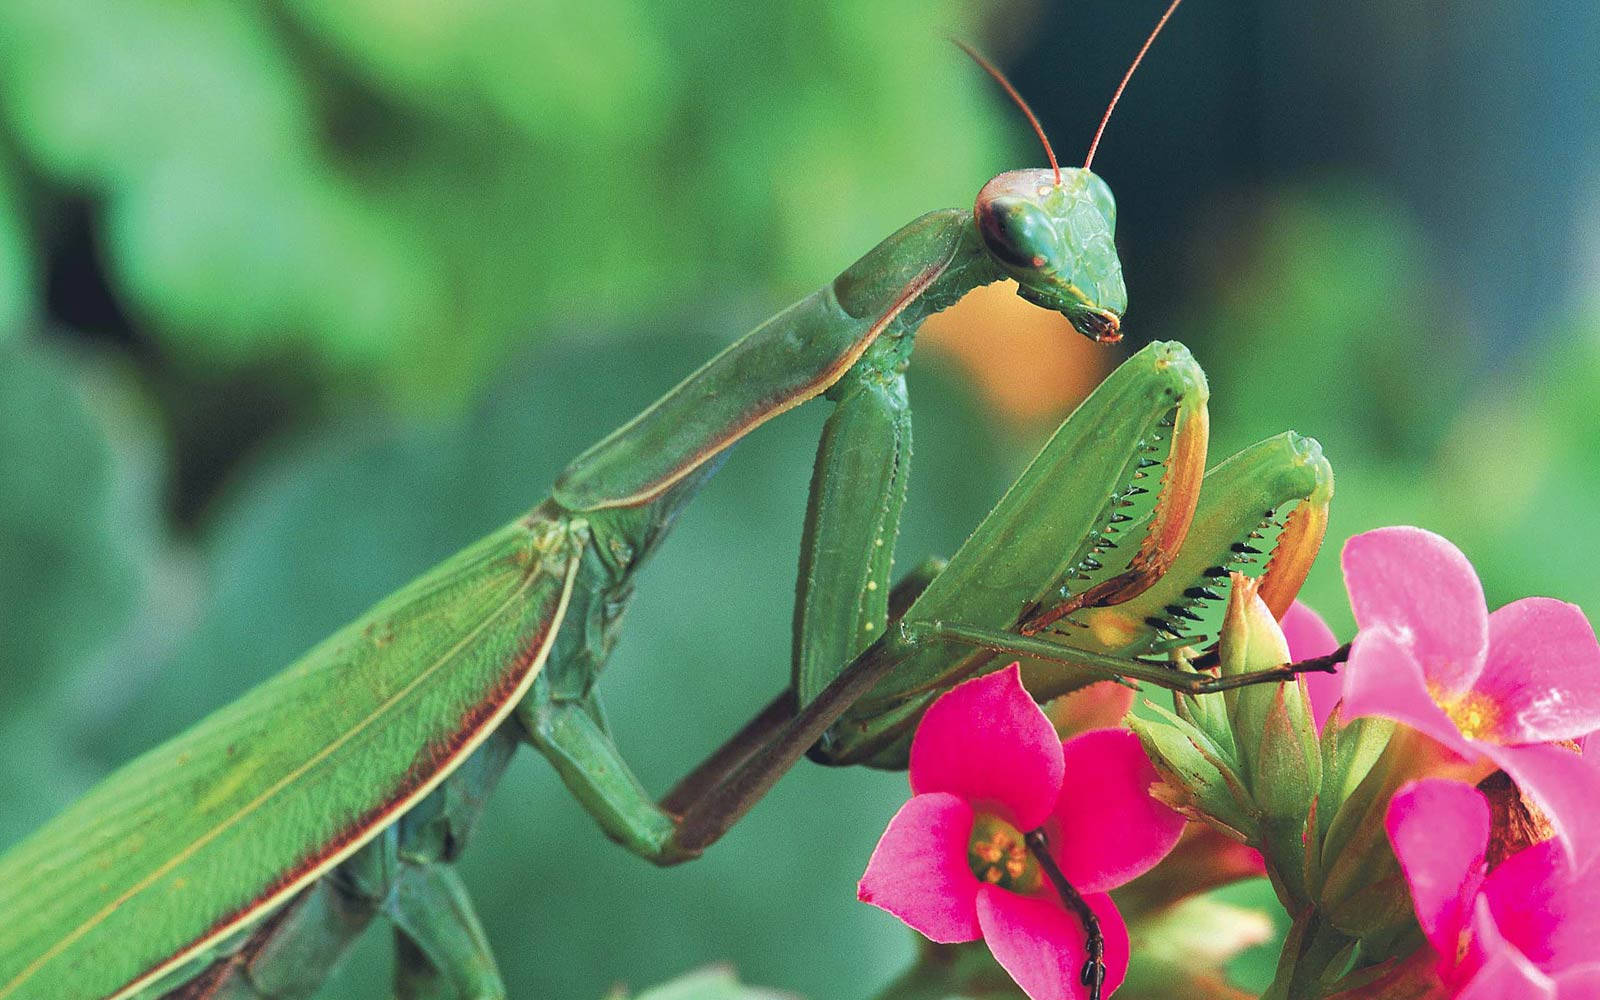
x=401 y=194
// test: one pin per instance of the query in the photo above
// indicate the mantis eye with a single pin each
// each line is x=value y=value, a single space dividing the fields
x=1017 y=233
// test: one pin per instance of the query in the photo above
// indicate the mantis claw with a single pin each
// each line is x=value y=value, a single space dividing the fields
x=1183 y=433
x=1236 y=525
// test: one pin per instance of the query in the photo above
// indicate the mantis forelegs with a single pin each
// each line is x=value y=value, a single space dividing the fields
x=1102 y=515
x=715 y=795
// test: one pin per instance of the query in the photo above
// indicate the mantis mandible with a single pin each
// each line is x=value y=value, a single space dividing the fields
x=243 y=856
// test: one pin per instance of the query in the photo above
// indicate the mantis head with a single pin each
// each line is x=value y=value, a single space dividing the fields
x=1051 y=229
x=1054 y=237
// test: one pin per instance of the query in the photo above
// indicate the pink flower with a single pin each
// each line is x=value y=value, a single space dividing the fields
x=986 y=769
x=1308 y=637
x=1505 y=687
x=1526 y=929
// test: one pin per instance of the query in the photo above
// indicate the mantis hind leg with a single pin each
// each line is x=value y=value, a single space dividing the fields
x=289 y=954
x=441 y=951
x=1127 y=668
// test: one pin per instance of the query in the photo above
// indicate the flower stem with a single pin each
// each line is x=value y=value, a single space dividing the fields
x=1093 y=974
x=1310 y=953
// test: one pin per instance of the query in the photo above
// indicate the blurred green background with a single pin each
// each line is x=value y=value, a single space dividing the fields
x=297 y=298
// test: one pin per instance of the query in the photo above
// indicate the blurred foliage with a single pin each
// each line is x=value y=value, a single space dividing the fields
x=344 y=285
x=1331 y=321
x=78 y=527
x=708 y=984
x=400 y=191
x=16 y=262
x=57 y=521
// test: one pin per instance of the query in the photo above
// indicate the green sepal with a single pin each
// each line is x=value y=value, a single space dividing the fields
x=1362 y=890
x=1379 y=913
x=1209 y=714
x=1201 y=776
x=1348 y=751
x=1251 y=640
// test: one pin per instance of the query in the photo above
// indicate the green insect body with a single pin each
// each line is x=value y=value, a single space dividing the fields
x=239 y=859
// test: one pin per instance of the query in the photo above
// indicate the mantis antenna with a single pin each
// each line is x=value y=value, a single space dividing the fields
x=1125 y=78
x=1000 y=78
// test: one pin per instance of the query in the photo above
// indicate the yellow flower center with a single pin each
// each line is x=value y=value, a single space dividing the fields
x=1476 y=715
x=998 y=854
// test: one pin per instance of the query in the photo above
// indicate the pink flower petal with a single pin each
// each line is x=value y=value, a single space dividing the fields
x=987 y=742
x=1383 y=678
x=1543 y=671
x=1564 y=785
x=1503 y=972
x=1420 y=585
x=1579 y=984
x=1439 y=830
x=1540 y=907
x=1042 y=945
x=1107 y=828
x=1310 y=636
x=919 y=871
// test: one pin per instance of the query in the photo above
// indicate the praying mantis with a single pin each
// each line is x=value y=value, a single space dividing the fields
x=242 y=857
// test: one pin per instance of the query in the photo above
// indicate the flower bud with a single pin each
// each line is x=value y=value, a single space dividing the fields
x=1279 y=757
x=1251 y=640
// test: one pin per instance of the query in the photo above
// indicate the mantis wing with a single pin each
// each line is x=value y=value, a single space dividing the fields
x=209 y=831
